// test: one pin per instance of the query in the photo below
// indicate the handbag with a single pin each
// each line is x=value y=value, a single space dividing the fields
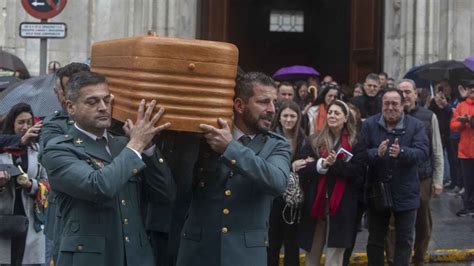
x=293 y=198
x=379 y=196
x=13 y=225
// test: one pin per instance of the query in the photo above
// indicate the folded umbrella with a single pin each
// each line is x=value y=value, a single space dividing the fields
x=296 y=72
x=37 y=92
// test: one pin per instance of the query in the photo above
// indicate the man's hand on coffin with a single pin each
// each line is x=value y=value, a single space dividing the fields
x=217 y=138
x=143 y=130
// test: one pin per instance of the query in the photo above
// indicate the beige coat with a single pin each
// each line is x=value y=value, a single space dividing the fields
x=35 y=241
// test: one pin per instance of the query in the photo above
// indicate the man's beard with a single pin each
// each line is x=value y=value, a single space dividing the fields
x=252 y=123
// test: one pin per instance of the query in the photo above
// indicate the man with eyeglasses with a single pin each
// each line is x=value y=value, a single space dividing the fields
x=395 y=143
x=369 y=102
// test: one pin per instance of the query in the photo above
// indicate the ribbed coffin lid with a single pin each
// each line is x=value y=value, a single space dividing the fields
x=170 y=48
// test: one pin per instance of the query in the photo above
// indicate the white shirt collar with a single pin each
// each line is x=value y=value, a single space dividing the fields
x=90 y=135
x=237 y=133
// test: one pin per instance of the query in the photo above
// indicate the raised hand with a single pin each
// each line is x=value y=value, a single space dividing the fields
x=4 y=178
x=383 y=148
x=394 y=150
x=31 y=134
x=330 y=160
x=143 y=130
x=217 y=138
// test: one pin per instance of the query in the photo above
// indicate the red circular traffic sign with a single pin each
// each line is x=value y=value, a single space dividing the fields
x=43 y=9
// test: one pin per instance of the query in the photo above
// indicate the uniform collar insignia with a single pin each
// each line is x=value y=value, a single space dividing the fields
x=79 y=141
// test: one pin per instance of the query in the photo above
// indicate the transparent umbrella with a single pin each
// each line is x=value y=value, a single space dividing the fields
x=37 y=92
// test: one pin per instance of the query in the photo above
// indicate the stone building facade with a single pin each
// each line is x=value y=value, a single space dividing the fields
x=414 y=32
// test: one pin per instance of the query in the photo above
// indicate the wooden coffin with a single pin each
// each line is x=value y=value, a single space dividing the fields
x=193 y=79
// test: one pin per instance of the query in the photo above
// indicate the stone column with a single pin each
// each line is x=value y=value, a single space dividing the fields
x=423 y=31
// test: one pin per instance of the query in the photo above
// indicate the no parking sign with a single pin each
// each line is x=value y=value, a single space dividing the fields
x=43 y=9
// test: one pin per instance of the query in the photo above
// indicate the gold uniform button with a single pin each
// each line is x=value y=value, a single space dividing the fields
x=233 y=161
x=161 y=160
x=266 y=243
x=202 y=184
x=134 y=171
x=228 y=193
x=125 y=221
x=80 y=247
x=127 y=239
x=225 y=230
x=226 y=211
x=123 y=202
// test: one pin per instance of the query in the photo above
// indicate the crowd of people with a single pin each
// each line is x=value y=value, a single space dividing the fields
x=301 y=166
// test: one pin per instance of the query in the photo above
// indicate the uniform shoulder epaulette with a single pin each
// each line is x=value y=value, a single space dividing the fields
x=276 y=135
x=60 y=139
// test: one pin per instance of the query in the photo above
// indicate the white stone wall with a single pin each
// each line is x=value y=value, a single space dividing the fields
x=423 y=31
x=89 y=21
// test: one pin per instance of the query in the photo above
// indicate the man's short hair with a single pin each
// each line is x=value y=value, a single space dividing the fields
x=81 y=80
x=373 y=76
x=284 y=83
x=393 y=90
x=69 y=70
x=383 y=74
x=246 y=83
x=412 y=83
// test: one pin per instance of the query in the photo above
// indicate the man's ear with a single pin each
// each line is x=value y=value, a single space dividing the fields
x=70 y=107
x=239 y=105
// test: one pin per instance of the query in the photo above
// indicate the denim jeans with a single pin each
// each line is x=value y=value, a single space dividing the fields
x=378 y=227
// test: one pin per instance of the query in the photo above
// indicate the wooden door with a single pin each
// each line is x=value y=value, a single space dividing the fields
x=214 y=20
x=366 y=39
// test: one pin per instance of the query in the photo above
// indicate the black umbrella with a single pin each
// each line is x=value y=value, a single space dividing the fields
x=7 y=81
x=12 y=62
x=450 y=70
x=37 y=92
x=420 y=82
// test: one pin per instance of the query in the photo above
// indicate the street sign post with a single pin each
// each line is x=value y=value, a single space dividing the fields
x=43 y=30
x=43 y=9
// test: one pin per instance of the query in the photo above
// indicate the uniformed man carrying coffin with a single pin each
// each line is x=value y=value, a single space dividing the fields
x=100 y=179
x=238 y=174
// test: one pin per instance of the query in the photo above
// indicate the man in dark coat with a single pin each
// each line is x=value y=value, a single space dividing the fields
x=395 y=143
x=101 y=180
x=239 y=172
x=370 y=102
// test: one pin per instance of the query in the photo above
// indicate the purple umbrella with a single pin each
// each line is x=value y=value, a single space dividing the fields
x=295 y=73
x=469 y=62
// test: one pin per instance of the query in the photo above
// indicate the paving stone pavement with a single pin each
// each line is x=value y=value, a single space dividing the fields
x=449 y=231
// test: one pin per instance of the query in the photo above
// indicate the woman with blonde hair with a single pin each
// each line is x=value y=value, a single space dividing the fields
x=331 y=186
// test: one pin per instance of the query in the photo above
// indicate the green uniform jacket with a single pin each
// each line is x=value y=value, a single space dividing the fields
x=227 y=222
x=99 y=199
x=57 y=124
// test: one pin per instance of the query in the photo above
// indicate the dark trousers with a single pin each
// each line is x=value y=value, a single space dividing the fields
x=467 y=168
x=454 y=165
x=361 y=207
x=378 y=226
x=159 y=242
x=281 y=233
